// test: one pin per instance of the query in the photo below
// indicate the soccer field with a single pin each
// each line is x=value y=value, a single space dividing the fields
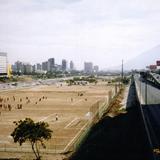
x=70 y=104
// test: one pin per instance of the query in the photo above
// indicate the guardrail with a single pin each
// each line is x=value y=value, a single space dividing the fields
x=96 y=110
x=142 y=104
x=154 y=79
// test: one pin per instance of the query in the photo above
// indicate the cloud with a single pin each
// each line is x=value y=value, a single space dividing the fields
x=94 y=29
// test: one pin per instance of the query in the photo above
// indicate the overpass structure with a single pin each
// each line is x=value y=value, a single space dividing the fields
x=148 y=93
x=152 y=78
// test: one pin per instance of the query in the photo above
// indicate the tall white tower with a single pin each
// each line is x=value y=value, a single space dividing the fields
x=3 y=63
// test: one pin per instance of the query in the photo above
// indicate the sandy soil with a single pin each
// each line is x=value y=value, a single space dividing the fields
x=43 y=103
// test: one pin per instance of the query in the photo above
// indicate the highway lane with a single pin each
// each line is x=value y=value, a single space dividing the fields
x=153 y=93
x=150 y=111
x=121 y=137
x=20 y=85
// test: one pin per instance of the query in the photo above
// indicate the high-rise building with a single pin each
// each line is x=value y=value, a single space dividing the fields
x=34 y=69
x=64 y=65
x=22 y=68
x=18 y=67
x=3 y=63
x=45 y=66
x=51 y=64
x=88 y=67
x=71 y=65
x=38 y=67
x=27 y=68
x=96 y=68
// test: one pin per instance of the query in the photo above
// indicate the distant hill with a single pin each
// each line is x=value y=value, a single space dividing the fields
x=144 y=59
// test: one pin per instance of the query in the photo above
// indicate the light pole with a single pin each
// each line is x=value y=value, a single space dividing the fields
x=122 y=70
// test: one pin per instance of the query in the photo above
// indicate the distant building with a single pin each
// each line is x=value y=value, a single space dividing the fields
x=158 y=64
x=96 y=69
x=58 y=67
x=13 y=68
x=71 y=65
x=51 y=64
x=27 y=68
x=18 y=67
x=64 y=65
x=38 y=67
x=153 y=67
x=3 y=63
x=88 y=67
x=45 y=66
x=34 y=68
x=22 y=68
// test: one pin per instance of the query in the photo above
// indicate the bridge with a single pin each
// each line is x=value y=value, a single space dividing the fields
x=152 y=78
x=148 y=92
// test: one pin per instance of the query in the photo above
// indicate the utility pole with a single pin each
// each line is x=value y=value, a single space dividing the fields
x=122 y=70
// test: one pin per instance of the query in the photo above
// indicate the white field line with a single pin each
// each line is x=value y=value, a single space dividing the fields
x=75 y=137
x=70 y=123
x=46 y=117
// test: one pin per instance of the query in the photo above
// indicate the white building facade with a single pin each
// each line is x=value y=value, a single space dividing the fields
x=3 y=63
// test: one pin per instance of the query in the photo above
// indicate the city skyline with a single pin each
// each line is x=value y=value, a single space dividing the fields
x=51 y=66
x=103 y=32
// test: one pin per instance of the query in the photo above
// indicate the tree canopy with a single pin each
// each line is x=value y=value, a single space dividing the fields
x=35 y=133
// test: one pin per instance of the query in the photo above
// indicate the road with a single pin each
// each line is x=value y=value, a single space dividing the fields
x=150 y=111
x=148 y=94
x=19 y=85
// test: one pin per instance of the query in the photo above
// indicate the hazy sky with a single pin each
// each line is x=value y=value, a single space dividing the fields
x=101 y=31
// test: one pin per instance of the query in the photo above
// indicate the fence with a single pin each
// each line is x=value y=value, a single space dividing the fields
x=96 y=110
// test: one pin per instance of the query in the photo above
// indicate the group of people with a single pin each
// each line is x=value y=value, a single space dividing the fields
x=6 y=103
x=79 y=95
x=40 y=99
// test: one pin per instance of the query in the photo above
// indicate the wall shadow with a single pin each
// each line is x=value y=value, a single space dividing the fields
x=122 y=137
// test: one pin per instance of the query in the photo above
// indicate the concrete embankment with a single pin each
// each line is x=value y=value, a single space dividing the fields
x=121 y=137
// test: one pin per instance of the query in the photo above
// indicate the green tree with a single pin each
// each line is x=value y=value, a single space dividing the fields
x=35 y=133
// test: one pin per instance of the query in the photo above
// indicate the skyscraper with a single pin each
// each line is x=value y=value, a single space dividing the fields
x=88 y=67
x=96 y=68
x=51 y=64
x=18 y=67
x=45 y=66
x=27 y=68
x=64 y=65
x=38 y=67
x=71 y=65
x=3 y=63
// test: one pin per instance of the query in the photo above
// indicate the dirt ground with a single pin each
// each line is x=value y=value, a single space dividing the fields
x=70 y=104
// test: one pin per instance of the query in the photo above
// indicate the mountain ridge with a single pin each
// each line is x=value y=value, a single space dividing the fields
x=145 y=59
x=141 y=61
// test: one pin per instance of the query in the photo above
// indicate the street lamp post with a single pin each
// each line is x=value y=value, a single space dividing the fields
x=122 y=71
